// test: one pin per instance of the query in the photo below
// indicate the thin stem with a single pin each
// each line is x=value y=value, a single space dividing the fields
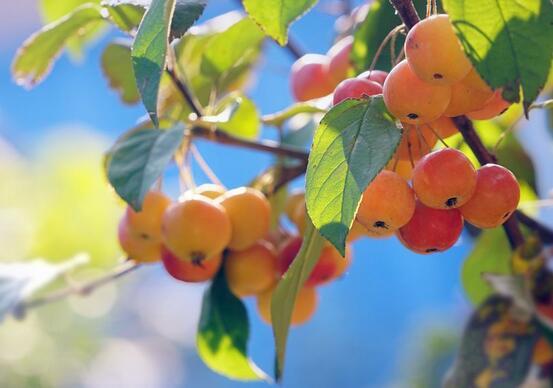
x=80 y=289
x=407 y=12
x=394 y=31
x=440 y=138
x=185 y=92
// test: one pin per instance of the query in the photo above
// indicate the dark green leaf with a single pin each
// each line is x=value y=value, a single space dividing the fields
x=509 y=42
x=223 y=334
x=34 y=59
x=275 y=16
x=117 y=67
x=353 y=142
x=137 y=160
x=230 y=48
x=491 y=253
x=284 y=296
x=496 y=348
x=380 y=20
x=149 y=51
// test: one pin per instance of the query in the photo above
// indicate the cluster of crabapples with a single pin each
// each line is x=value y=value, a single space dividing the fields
x=209 y=228
x=423 y=196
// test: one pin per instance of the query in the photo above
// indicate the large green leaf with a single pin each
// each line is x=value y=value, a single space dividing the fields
x=230 y=48
x=117 y=68
x=353 y=142
x=491 y=254
x=149 y=52
x=508 y=41
x=138 y=159
x=223 y=334
x=284 y=296
x=496 y=347
x=275 y=16
x=34 y=59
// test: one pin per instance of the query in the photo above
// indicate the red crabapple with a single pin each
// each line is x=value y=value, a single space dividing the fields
x=339 y=64
x=310 y=77
x=377 y=76
x=355 y=88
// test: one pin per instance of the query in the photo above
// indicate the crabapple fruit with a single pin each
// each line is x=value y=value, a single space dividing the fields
x=417 y=141
x=465 y=98
x=495 y=198
x=138 y=247
x=378 y=76
x=189 y=271
x=304 y=308
x=443 y=127
x=147 y=221
x=355 y=88
x=339 y=64
x=444 y=179
x=210 y=190
x=310 y=77
x=493 y=108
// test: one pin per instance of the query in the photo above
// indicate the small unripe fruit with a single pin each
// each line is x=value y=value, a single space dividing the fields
x=196 y=228
x=495 y=198
x=139 y=248
x=147 y=221
x=304 y=308
x=249 y=212
x=434 y=52
x=493 y=108
x=294 y=200
x=188 y=271
x=417 y=141
x=431 y=230
x=355 y=88
x=339 y=64
x=377 y=76
x=411 y=100
x=387 y=204
x=444 y=179
x=310 y=77
x=251 y=271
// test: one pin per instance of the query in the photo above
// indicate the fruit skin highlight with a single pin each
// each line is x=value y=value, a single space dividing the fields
x=188 y=271
x=495 y=198
x=444 y=179
x=304 y=308
x=196 y=228
x=411 y=100
x=310 y=77
x=431 y=230
x=339 y=64
x=434 y=52
x=355 y=88
x=377 y=76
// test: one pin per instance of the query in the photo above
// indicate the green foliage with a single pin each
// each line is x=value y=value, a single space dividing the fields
x=35 y=57
x=495 y=343
x=149 y=52
x=286 y=292
x=352 y=144
x=275 y=16
x=117 y=68
x=237 y=115
x=137 y=160
x=509 y=42
x=125 y=15
x=223 y=333
x=491 y=254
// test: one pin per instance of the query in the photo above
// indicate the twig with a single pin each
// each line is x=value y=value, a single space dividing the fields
x=82 y=289
x=407 y=12
x=183 y=89
x=545 y=233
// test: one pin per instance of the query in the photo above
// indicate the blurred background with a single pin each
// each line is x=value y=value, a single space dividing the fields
x=393 y=321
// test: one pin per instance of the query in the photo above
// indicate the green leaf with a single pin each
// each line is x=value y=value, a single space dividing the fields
x=35 y=57
x=223 y=334
x=230 y=48
x=117 y=68
x=138 y=159
x=286 y=292
x=236 y=114
x=509 y=42
x=380 y=20
x=149 y=51
x=353 y=142
x=126 y=16
x=495 y=343
x=491 y=253
x=275 y=16
x=19 y=281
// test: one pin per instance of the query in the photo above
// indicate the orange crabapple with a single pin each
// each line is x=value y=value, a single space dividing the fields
x=294 y=199
x=189 y=271
x=431 y=230
x=310 y=77
x=495 y=198
x=249 y=212
x=443 y=127
x=339 y=64
x=465 y=99
x=417 y=141
x=304 y=308
x=355 y=88
x=253 y=270
x=403 y=168
x=378 y=76
x=434 y=52
x=493 y=108
x=444 y=179
x=411 y=100
x=474 y=81
x=196 y=228
x=387 y=204
x=139 y=248
x=147 y=221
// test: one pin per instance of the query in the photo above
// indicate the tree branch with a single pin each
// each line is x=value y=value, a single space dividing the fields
x=407 y=12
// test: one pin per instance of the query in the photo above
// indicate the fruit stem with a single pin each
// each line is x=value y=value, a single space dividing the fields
x=407 y=12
